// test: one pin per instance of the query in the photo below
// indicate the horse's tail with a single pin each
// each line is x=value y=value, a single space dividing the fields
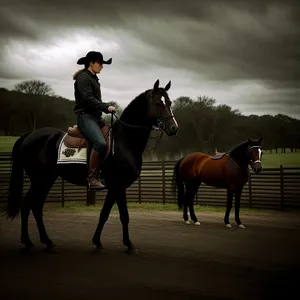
x=16 y=181
x=178 y=182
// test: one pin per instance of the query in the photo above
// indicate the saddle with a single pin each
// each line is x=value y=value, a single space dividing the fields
x=75 y=138
x=218 y=156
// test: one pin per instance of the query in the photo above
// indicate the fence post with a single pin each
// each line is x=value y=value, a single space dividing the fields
x=140 y=190
x=281 y=188
x=90 y=197
x=163 y=182
x=250 y=188
x=62 y=192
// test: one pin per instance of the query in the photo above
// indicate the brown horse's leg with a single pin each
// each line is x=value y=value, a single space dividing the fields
x=191 y=190
x=228 y=207
x=237 y=199
x=185 y=212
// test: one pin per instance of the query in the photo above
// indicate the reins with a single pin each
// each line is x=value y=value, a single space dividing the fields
x=160 y=122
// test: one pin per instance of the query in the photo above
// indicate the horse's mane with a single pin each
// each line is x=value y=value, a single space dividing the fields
x=137 y=105
x=237 y=149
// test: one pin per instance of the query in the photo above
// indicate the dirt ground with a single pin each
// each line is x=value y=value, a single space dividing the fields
x=176 y=261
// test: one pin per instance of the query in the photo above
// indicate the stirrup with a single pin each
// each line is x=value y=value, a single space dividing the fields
x=96 y=188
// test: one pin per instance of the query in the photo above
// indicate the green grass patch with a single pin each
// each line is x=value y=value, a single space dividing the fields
x=274 y=160
x=7 y=142
x=78 y=207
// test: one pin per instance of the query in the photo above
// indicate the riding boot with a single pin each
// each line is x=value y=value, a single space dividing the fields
x=93 y=174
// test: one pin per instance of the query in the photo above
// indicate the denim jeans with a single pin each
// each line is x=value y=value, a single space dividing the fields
x=89 y=126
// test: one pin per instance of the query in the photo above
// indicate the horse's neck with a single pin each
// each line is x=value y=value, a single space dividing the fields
x=134 y=139
x=239 y=155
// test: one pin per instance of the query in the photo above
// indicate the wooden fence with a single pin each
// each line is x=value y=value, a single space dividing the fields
x=273 y=188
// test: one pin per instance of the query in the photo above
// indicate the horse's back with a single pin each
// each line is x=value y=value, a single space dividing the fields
x=190 y=165
x=206 y=168
x=41 y=136
x=41 y=145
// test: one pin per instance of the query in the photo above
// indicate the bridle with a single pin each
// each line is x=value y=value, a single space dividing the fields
x=161 y=121
x=247 y=154
x=259 y=156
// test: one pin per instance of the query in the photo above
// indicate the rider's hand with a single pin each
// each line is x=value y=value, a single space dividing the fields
x=111 y=108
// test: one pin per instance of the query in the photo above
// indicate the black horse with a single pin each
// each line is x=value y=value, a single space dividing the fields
x=227 y=170
x=36 y=153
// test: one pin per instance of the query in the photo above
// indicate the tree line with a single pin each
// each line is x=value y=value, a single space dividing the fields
x=204 y=125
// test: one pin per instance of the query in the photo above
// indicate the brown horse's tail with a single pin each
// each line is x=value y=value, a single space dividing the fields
x=177 y=182
x=16 y=181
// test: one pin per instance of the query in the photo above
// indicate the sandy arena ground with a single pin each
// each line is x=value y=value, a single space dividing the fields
x=176 y=261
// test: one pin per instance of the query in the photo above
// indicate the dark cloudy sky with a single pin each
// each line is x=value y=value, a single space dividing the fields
x=243 y=53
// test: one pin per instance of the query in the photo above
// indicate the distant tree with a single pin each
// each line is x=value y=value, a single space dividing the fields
x=35 y=87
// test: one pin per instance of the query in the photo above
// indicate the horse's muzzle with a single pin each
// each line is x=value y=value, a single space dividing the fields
x=256 y=167
x=171 y=130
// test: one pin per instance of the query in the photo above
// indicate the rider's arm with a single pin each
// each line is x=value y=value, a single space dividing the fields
x=85 y=90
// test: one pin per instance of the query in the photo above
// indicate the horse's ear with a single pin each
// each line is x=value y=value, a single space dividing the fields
x=260 y=140
x=156 y=84
x=250 y=141
x=167 y=87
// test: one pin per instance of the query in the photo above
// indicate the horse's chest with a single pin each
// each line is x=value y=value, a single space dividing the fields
x=239 y=178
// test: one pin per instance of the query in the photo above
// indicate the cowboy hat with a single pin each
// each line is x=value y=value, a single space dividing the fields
x=93 y=56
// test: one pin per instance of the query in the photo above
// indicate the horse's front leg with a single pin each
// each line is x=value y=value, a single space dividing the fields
x=124 y=218
x=237 y=205
x=228 y=207
x=103 y=217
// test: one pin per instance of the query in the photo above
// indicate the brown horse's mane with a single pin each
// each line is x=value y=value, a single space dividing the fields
x=239 y=149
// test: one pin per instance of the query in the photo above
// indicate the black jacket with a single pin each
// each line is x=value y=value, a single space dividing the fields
x=87 y=94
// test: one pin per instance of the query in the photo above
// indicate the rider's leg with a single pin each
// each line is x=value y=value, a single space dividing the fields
x=89 y=125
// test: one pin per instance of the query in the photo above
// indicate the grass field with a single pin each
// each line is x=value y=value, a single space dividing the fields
x=7 y=142
x=80 y=206
x=270 y=160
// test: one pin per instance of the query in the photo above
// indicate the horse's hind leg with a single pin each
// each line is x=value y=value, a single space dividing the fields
x=191 y=190
x=185 y=212
x=40 y=192
x=25 y=211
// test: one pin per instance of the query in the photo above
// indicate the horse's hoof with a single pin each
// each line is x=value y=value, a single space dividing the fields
x=50 y=250
x=97 y=244
x=187 y=222
x=228 y=225
x=132 y=250
x=197 y=223
x=241 y=226
x=99 y=247
x=28 y=249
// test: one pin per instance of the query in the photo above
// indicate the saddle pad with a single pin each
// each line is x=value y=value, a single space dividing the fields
x=68 y=155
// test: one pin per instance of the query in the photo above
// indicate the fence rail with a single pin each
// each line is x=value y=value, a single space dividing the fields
x=274 y=188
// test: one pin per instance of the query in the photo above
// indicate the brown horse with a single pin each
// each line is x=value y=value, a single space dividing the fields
x=228 y=170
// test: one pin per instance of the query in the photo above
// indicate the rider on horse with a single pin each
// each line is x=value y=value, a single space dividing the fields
x=89 y=108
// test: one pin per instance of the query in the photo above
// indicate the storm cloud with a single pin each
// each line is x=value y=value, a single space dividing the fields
x=244 y=54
